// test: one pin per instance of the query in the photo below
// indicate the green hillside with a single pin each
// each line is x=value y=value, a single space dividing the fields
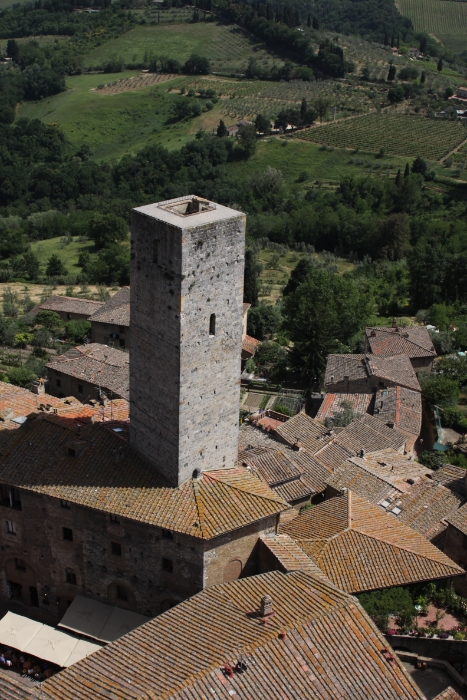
x=444 y=19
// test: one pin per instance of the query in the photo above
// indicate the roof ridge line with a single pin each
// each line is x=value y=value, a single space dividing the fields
x=243 y=490
x=195 y=486
x=405 y=548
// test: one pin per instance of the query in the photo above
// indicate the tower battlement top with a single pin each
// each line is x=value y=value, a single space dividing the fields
x=188 y=211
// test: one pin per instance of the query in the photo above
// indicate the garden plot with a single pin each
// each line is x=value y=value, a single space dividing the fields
x=395 y=133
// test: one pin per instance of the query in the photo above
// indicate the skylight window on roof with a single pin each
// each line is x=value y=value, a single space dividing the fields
x=386 y=504
x=396 y=510
x=117 y=430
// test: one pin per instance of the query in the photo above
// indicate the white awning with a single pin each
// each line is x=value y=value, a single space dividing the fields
x=100 y=621
x=43 y=641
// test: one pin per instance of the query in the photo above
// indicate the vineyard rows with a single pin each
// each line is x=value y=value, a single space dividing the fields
x=436 y=16
x=397 y=134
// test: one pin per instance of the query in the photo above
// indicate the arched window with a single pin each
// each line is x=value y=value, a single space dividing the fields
x=212 y=324
x=233 y=570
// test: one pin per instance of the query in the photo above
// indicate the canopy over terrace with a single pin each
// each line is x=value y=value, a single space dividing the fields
x=45 y=642
x=100 y=621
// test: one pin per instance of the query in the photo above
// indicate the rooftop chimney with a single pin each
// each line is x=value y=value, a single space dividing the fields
x=266 y=606
x=394 y=322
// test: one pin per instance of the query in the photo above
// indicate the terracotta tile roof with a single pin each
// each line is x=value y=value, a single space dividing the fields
x=279 y=467
x=16 y=402
x=379 y=475
x=400 y=407
x=459 y=519
x=332 y=404
x=38 y=460
x=426 y=506
x=116 y=310
x=311 y=434
x=11 y=689
x=397 y=369
x=413 y=341
x=249 y=435
x=71 y=305
x=99 y=365
x=359 y=547
x=250 y=344
x=331 y=650
x=448 y=694
x=452 y=477
x=288 y=555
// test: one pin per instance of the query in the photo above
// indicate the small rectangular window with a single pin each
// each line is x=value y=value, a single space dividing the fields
x=212 y=324
x=9 y=497
x=80 y=388
x=68 y=317
x=167 y=535
x=11 y=527
x=20 y=565
x=122 y=342
x=167 y=565
x=464 y=542
x=71 y=452
x=70 y=576
x=122 y=593
x=58 y=382
x=121 y=330
x=68 y=534
x=65 y=504
x=155 y=251
x=114 y=519
x=116 y=549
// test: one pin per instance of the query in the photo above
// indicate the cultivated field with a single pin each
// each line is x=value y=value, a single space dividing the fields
x=444 y=19
x=136 y=82
x=228 y=47
x=401 y=135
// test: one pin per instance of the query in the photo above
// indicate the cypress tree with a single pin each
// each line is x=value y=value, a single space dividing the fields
x=250 y=279
x=423 y=77
x=407 y=170
x=440 y=65
x=398 y=177
x=308 y=21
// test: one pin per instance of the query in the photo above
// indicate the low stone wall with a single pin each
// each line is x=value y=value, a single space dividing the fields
x=415 y=659
x=429 y=647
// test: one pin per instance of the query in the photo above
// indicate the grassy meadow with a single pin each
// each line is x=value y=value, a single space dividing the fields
x=113 y=125
x=68 y=254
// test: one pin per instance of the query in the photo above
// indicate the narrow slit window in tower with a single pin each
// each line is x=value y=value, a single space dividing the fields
x=155 y=251
x=212 y=324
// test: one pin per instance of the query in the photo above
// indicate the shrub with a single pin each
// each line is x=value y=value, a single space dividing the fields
x=75 y=331
x=440 y=391
x=21 y=376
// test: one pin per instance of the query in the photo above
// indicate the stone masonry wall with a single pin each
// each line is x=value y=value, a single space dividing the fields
x=44 y=557
x=455 y=547
x=101 y=333
x=237 y=553
x=185 y=381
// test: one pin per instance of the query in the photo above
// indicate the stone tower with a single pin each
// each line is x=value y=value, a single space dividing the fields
x=187 y=261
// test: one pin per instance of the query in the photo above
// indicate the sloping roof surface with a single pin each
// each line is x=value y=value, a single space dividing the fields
x=16 y=402
x=459 y=519
x=311 y=434
x=38 y=460
x=12 y=689
x=250 y=344
x=69 y=305
x=98 y=364
x=359 y=547
x=289 y=556
x=331 y=650
x=397 y=369
x=116 y=310
x=401 y=407
x=332 y=404
x=413 y=341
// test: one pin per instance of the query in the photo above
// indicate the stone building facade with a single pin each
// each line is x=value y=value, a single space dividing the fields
x=187 y=265
x=73 y=550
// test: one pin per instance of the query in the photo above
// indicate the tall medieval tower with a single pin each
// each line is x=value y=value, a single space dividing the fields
x=187 y=261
